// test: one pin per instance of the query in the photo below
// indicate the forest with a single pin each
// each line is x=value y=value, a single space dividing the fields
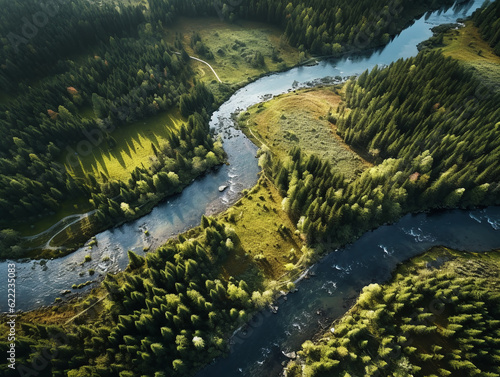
x=436 y=150
x=427 y=321
x=428 y=125
x=318 y=26
x=488 y=22
x=42 y=123
x=168 y=313
x=48 y=87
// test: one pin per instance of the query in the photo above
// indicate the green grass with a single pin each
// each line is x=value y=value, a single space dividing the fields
x=466 y=45
x=299 y=119
x=133 y=148
x=257 y=219
x=73 y=207
x=231 y=66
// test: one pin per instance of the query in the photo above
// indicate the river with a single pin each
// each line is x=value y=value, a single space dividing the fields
x=372 y=257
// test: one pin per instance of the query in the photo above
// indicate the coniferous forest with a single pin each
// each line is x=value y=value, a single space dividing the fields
x=41 y=123
x=90 y=81
x=426 y=322
x=430 y=150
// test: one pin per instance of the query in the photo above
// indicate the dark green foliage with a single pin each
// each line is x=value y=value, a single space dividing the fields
x=319 y=26
x=431 y=127
x=198 y=98
x=440 y=322
x=487 y=19
x=38 y=37
x=170 y=314
x=41 y=124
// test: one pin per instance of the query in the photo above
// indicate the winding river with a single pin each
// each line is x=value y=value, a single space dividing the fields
x=339 y=276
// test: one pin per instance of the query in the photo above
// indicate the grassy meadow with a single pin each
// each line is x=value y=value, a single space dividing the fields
x=466 y=45
x=265 y=231
x=133 y=148
x=232 y=45
x=300 y=118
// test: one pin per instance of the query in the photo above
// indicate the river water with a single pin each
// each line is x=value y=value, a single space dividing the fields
x=337 y=280
x=373 y=256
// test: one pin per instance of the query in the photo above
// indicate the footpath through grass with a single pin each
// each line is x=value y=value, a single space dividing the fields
x=233 y=47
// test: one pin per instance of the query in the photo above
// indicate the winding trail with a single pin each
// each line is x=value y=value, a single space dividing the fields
x=204 y=62
x=74 y=219
x=78 y=217
x=86 y=310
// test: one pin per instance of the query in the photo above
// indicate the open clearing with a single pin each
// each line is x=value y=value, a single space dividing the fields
x=266 y=233
x=299 y=119
x=133 y=148
x=233 y=46
x=133 y=141
x=466 y=45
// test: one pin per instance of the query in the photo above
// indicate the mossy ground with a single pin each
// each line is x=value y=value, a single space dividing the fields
x=466 y=45
x=300 y=118
x=231 y=45
x=265 y=231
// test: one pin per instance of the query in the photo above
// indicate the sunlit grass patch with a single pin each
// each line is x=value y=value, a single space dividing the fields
x=233 y=46
x=266 y=233
x=300 y=118
x=133 y=148
x=466 y=44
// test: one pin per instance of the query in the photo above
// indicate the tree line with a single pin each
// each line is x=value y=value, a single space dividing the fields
x=319 y=26
x=434 y=142
x=487 y=19
x=169 y=314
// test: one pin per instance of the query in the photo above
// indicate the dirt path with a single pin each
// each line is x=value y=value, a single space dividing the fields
x=86 y=310
x=204 y=62
x=55 y=227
